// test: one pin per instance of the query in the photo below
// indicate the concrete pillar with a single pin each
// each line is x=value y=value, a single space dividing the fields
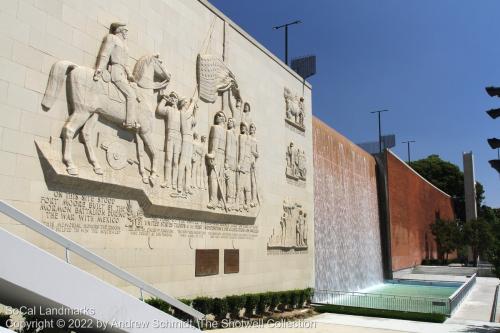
x=469 y=187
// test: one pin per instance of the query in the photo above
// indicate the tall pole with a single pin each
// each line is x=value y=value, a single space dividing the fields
x=408 y=144
x=286 y=36
x=379 y=128
x=286 y=44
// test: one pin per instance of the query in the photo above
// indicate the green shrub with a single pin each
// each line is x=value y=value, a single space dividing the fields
x=251 y=303
x=179 y=314
x=302 y=298
x=284 y=297
x=295 y=298
x=235 y=304
x=264 y=302
x=3 y=319
x=416 y=316
x=220 y=308
x=203 y=304
x=159 y=304
x=309 y=293
x=275 y=300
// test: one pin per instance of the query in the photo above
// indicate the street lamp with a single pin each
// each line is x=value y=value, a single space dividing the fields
x=286 y=36
x=379 y=128
x=408 y=143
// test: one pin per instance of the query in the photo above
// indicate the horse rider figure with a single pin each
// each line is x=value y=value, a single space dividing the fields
x=113 y=56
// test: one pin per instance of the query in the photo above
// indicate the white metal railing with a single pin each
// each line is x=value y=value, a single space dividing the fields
x=69 y=245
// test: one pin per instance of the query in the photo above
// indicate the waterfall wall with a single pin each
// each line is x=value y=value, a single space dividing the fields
x=346 y=218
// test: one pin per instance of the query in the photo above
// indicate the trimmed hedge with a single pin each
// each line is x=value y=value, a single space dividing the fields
x=252 y=303
x=220 y=308
x=3 y=319
x=236 y=303
x=264 y=302
x=368 y=312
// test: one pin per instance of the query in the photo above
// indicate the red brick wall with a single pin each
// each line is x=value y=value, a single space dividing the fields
x=414 y=205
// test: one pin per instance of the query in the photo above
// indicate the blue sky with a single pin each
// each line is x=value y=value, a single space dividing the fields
x=428 y=61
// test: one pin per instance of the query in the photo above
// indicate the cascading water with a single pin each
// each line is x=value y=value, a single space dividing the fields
x=347 y=233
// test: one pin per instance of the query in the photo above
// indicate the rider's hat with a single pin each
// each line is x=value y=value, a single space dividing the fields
x=114 y=26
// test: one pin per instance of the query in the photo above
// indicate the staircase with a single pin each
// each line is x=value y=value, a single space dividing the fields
x=36 y=279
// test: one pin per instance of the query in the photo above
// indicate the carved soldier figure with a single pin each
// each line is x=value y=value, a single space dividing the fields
x=196 y=162
x=203 y=168
x=168 y=109
x=245 y=117
x=188 y=121
x=298 y=230
x=244 y=164
x=304 y=230
x=231 y=164
x=290 y=162
x=254 y=156
x=283 y=229
x=302 y=164
x=215 y=158
x=236 y=111
x=301 y=112
x=113 y=56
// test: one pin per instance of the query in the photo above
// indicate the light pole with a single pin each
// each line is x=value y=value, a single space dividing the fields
x=286 y=36
x=408 y=143
x=379 y=128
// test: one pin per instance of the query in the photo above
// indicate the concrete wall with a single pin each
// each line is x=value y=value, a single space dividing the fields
x=36 y=34
x=414 y=204
x=346 y=219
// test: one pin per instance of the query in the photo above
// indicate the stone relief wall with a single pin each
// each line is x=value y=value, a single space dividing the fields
x=150 y=138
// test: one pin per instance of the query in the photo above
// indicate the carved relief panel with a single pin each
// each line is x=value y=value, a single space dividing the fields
x=295 y=163
x=292 y=231
x=207 y=175
x=295 y=110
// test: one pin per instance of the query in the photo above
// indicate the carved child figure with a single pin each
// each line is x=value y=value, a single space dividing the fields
x=231 y=165
x=215 y=159
x=168 y=109
x=188 y=121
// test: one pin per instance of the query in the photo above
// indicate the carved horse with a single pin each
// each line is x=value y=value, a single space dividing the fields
x=294 y=107
x=89 y=99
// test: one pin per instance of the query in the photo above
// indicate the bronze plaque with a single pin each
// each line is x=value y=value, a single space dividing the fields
x=231 y=261
x=207 y=262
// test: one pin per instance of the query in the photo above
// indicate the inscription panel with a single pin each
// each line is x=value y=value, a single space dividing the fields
x=207 y=262
x=80 y=213
x=231 y=261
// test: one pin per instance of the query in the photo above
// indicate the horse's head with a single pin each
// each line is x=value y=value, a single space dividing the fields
x=151 y=73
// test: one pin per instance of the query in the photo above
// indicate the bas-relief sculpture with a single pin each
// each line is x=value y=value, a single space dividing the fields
x=295 y=163
x=216 y=180
x=292 y=232
x=295 y=112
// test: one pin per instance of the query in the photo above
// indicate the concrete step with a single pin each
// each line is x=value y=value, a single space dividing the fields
x=444 y=270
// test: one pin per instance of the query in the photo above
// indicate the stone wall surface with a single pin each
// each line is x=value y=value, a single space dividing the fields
x=111 y=203
x=414 y=204
x=348 y=248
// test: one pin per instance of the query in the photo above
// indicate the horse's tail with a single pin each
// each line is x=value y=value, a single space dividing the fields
x=57 y=75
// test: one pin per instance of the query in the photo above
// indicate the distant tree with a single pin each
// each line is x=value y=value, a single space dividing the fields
x=448 y=237
x=479 y=236
x=447 y=177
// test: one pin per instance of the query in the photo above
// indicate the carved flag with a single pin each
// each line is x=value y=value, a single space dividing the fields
x=213 y=77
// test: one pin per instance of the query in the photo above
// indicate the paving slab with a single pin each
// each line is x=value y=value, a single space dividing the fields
x=478 y=304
